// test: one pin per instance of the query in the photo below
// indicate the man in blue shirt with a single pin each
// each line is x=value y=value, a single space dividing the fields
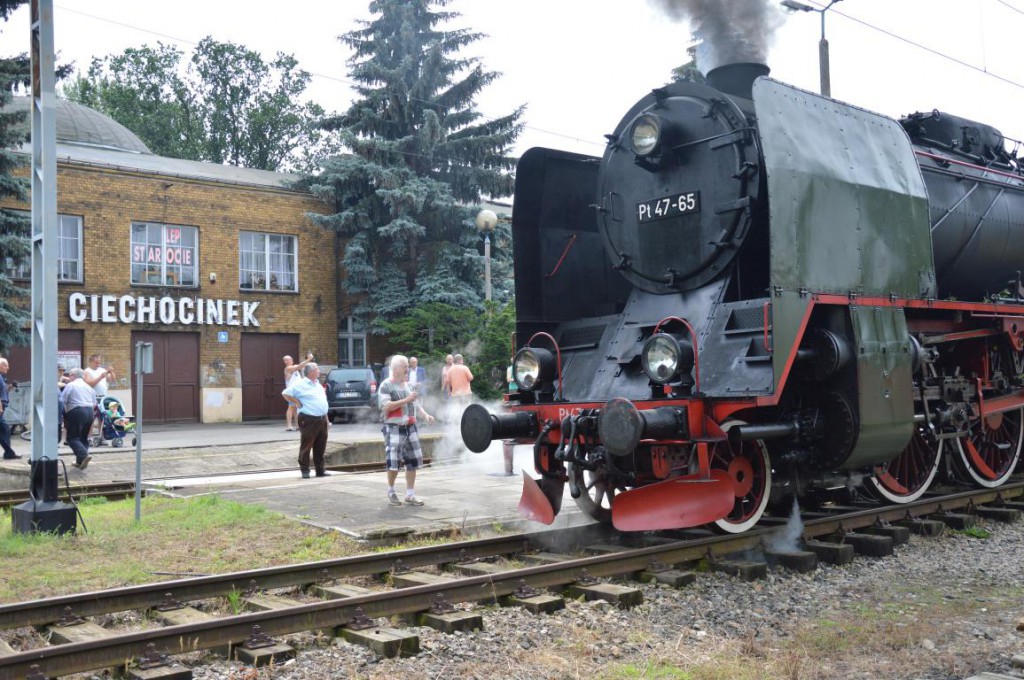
x=5 y=399
x=310 y=400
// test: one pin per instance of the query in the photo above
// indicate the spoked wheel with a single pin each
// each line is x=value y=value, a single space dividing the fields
x=748 y=465
x=906 y=477
x=989 y=452
x=596 y=492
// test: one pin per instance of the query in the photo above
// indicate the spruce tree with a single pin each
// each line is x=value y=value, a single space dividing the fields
x=14 y=226
x=420 y=159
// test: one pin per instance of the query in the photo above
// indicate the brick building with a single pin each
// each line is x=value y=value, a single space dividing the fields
x=218 y=266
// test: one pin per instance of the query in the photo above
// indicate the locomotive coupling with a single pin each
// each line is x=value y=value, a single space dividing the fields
x=621 y=425
x=480 y=427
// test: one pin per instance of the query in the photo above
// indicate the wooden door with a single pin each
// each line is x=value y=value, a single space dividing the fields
x=263 y=373
x=170 y=394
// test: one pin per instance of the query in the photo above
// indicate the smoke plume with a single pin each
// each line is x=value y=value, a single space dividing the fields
x=731 y=31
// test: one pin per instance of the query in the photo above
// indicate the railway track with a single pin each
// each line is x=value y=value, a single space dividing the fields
x=119 y=490
x=465 y=576
x=110 y=490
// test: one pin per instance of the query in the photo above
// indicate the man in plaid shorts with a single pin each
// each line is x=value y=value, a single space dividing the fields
x=399 y=404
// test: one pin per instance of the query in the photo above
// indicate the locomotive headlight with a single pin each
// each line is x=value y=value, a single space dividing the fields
x=645 y=134
x=665 y=357
x=532 y=367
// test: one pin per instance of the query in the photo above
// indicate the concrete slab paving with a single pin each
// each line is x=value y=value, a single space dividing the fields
x=257 y=463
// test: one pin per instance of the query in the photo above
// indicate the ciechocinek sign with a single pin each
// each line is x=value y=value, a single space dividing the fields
x=163 y=310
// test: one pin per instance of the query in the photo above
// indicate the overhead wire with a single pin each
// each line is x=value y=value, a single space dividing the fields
x=1006 y=4
x=832 y=8
x=937 y=53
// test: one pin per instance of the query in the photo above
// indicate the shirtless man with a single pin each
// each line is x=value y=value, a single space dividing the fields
x=292 y=374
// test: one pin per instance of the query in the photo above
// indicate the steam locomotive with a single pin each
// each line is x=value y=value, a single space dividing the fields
x=760 y=293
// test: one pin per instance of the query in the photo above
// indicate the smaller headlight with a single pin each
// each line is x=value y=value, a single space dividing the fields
x=532 y=367
x=660 y=358
x=646 y=134
x=665 y=357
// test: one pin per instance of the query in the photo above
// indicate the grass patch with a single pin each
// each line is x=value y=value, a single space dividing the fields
x=175 y=538
x=974 y=532
x=234 y=600
x=657 y=670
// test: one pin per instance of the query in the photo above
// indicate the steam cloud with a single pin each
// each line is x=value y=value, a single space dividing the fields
x=787 y=539
x=731 y=31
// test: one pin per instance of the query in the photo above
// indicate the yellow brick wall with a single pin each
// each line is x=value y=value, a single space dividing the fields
x=109 y=201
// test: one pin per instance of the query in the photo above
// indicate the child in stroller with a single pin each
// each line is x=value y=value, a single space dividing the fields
x=115 y=423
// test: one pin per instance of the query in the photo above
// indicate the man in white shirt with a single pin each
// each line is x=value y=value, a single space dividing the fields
x=417 y=376
x=97 y=376
x=101 y=374
x=310 y=401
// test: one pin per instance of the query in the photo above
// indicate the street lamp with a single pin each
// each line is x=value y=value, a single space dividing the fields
x=826 y=85
x=486 y=220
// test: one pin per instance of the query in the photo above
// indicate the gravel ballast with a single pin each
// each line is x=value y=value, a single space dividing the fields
x=938 y=609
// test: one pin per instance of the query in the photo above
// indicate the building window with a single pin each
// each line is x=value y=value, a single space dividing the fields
x=267 y=261
x=164 y=254
x=352 y=343
x=69 y=252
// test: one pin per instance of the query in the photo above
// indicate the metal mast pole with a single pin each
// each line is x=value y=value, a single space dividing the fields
x=487 y=267
x=44 y=235
x=44 y=512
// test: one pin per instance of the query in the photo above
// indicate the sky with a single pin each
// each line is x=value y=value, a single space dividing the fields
x=579 y=65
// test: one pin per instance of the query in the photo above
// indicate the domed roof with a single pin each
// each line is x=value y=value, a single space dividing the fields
x=78 y=124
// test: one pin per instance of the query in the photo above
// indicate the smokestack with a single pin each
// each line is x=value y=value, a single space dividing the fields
x=737 y=79
x=731 y=31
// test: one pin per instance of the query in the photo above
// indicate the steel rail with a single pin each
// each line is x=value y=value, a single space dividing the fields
x=51 y=609
x=106 y=652
x=108 y=490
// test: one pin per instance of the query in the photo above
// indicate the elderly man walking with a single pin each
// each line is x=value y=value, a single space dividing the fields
x=309 y=399
x=79 y=398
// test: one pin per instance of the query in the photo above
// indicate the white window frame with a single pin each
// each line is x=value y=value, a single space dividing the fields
x=262 y=270
x=164 y=281
x=353 y=334
x=22 y=271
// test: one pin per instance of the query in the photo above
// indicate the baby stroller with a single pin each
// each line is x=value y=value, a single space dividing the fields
x=115 y=423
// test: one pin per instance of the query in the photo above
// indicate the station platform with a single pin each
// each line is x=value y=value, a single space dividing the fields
x=256 y=462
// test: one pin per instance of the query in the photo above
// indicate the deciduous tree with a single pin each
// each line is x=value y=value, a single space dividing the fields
x=434 y=330
x=227 y=105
